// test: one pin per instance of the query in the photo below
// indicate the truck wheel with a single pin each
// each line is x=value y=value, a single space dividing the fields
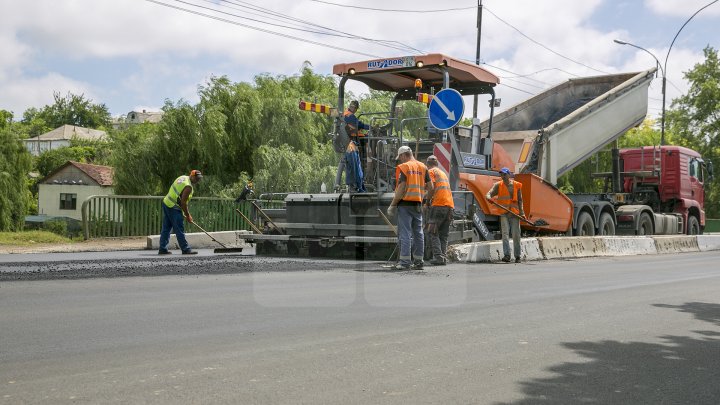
x=645 y=226
x=606 y=225
x=693 y=226
x=585 y=226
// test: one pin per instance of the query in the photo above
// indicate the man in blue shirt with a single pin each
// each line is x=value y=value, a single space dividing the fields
x=350 y=162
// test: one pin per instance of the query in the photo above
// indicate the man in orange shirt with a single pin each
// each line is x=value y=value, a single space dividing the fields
x=509 y=195
x=440 y=201
x=412 y=182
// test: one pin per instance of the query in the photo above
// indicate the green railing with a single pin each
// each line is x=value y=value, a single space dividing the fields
x=712 y=225
x=124 y=215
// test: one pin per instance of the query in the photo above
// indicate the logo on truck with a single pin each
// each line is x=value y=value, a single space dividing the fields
x=408 y=61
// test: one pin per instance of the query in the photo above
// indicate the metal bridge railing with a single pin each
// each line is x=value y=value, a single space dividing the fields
x=124 y=215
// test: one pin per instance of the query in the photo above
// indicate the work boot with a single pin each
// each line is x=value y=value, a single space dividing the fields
x=438 y=261
x=189 y=252
x=506 y=259
x=398 y=266
x=164 y=252
x=418 y=265
x=517 y=260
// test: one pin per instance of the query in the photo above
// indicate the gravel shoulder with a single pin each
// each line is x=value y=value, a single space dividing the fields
x=93 y=245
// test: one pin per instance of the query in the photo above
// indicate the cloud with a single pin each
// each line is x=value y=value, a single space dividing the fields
x=22 y=93
x=682 y=8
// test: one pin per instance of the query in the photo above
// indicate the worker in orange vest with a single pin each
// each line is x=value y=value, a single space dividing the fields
x=412 y=181
x=441 y=205
x=509 y=195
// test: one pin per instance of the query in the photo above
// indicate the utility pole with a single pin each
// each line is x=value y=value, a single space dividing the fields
x=477 y=52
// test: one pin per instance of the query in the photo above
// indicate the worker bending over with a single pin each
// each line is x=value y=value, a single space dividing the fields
x=174 y=208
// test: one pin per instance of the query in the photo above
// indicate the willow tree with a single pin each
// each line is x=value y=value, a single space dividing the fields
x=15 y=163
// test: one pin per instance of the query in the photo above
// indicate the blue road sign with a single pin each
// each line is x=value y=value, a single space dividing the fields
x=446 y=109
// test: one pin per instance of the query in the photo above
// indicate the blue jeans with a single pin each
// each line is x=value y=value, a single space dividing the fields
x=410 y=234
x=172 y=220
x=354 y=172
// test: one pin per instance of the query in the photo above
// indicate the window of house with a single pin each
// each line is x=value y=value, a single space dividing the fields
x=68 y=201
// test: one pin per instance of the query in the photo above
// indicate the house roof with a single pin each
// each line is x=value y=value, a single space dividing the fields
x=67 y=132
x=103 y=175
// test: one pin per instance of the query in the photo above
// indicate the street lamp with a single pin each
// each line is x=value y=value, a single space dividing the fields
x=664 y=68
x=664 y=79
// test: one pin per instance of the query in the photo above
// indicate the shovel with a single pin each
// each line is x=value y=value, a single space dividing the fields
x=224 y=248
x=540 y=222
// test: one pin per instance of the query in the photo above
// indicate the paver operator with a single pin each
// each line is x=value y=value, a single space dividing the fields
x=350 y=161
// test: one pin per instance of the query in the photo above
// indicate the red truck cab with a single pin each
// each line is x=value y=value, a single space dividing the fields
x=669 y=179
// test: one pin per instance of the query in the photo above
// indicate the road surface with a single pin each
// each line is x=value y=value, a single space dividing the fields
x=628 y=330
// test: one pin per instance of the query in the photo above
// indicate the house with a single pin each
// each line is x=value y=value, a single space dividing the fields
x=137 y=117
x=64 y=190
x=60 y=137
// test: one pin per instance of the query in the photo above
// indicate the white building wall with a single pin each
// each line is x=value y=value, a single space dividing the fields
x=49 y=198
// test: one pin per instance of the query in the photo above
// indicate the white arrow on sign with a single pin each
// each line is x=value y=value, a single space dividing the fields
x=450 y=114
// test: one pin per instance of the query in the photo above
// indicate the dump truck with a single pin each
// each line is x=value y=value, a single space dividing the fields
x=539 y=139
x=650 y=190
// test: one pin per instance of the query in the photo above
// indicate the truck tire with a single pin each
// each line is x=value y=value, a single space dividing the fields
x=693 y=225
x=645 y=225
x=585 y=226
x=606 y=225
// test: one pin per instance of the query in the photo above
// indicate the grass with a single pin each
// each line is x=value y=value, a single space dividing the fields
x=29 y=238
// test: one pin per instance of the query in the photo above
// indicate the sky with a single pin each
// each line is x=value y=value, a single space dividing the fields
x=133 y=55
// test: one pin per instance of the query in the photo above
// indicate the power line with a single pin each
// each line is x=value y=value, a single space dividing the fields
x=289 y=17
x=262 y=29
x=395 y=10
x=388 y=44
x=515 y=88
x=540 y=44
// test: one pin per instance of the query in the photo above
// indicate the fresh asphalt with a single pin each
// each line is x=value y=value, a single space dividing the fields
x=625 y=330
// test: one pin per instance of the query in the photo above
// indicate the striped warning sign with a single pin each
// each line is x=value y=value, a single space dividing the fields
x=442 y=153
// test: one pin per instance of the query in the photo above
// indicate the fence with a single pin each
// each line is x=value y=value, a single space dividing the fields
x=712 y=225
x=123 y=215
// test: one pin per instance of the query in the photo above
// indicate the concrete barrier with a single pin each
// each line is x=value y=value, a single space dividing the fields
x=201 y=241
x=491 y=251
x=708 y=242
x=676 y=244
x=627 y=245
x=565 y=247
x=587 y=246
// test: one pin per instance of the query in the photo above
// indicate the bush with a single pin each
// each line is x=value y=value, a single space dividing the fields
x=58 y=227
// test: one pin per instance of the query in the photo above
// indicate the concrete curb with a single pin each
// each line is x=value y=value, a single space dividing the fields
x=202 y=241
x=676 y=244
x=708 y=242
x=586 y=246
x=492 y=251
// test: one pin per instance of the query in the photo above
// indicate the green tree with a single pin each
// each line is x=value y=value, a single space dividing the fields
x=70 y=109
x=54 y=158
x=15 y=163
x=134 y=160
x=694 y=120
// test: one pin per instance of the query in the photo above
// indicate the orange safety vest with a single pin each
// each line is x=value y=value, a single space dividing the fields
x=443 y=195
x=504 y=198
x=414 y=172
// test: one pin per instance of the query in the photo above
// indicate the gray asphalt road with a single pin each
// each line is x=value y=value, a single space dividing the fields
x=636 y=330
